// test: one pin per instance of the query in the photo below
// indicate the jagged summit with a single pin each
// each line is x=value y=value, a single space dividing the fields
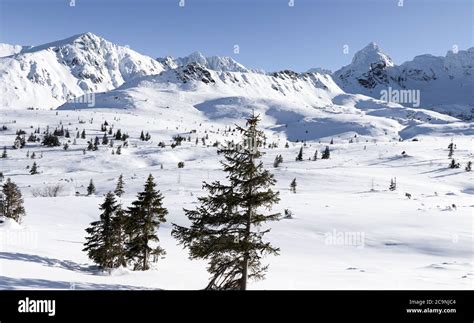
x=216 y=63
x=83 y=38
x=445 y=83
x=46 y=76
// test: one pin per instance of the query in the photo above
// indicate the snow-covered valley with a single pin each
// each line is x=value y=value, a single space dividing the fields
x=348 y=230
x=422 y=242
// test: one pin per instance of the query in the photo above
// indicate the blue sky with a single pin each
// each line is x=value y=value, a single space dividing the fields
x=271 y=34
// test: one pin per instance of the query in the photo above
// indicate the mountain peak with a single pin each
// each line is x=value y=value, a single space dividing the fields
x=371 y=55
x=87 y=37
x=216 y=63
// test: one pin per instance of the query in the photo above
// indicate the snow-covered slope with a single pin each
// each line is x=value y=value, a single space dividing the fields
x=216 y=63
x=304 y=106
x=388 y=240
x=319 y=70
x=8 y=50
x=46 y=76
x=445 y=84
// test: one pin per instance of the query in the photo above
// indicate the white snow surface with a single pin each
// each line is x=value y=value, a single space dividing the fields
x=446 y=84
x=389 y=241
x=422 y=242
x=48 y=75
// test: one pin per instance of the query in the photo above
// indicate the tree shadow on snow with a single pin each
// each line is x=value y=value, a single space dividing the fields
x=50 y=262
x=33 y=283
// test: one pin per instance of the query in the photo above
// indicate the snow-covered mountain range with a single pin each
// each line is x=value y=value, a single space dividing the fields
x=47 y=76
x=217 y=63
x=446 y=84
x=344 y=226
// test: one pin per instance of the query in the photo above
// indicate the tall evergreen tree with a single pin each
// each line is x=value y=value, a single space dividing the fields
x=91 y=188
x=11 y=205
x=326 y=153
x=118 y=135
x=4 y=153
x=119 y=252
x=34 y=169
x=96 y=143
x=105 y=239
x=293 y=185
x=223 y=227
x=145 y=216
x=278 y=160
x=105 y=140
x=300 y=155
x=393 y=184
x=119 y=188
x=451 y=150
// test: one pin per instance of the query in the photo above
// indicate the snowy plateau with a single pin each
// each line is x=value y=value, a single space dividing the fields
x=347 y=231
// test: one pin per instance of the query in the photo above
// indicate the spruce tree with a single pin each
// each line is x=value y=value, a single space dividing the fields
x=118 y=135
x=326 y=153
x=105 y=237
x=12 y=202
x=105 y=140
x=119 y=188
x=91 y=188
x=83 y=134
x=96 y=143
x=34 y=169
x=451 y=150
x=142 y=136
x=145 y=216
x=393 y=184
x=51 y=140
x=4 y=153
x=453 y=164
x=293 y=185
x=224 y=227
x=315 y=156
x=468 y=166
x=278 y=160
x=300 y=155
x=119 y=252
